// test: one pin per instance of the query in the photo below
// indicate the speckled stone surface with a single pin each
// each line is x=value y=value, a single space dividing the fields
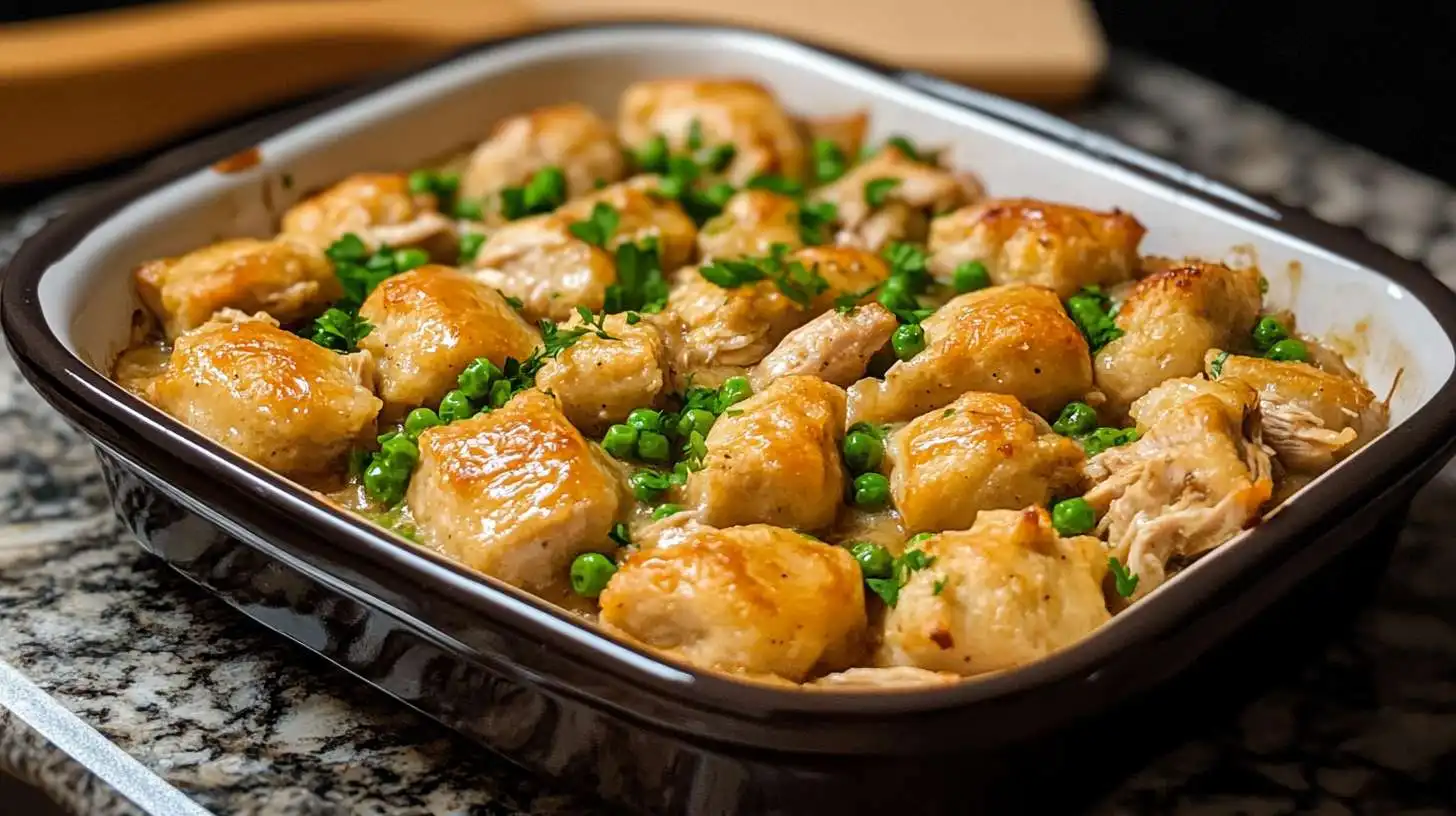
x=244 y=723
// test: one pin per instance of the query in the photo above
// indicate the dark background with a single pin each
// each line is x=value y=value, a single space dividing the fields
x=1377 y=74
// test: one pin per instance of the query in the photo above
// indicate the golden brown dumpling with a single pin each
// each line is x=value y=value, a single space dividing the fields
x=429 y=324
x=1170 y=320
x=751 y=223
x=920 y=191
x=1310 y=417
x=752 y=600
x=777 y=460
x=569 y=137
x=1023 y=240
x=982 y=452
x=600 y=381
x=1196 y=477
x=515 y=493
x=1013 y=340
x=641 y=216
x=538 y=261
x=377 y=207
x=267 y=394
x=1002 y=594
x=290 y=280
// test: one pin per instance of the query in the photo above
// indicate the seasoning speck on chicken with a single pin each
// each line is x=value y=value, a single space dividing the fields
x=1023 y=240
x=429 y=324
x=985 y=452
x=754 y=599
x=288 y=404
x=289 y=279
x=1011 y=591
x=515 y=493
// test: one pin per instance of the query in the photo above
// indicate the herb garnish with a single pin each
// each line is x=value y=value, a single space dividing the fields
x=1124 y=580
x=1089 y=310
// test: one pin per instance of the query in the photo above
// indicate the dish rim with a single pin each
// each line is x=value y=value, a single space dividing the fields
x=1426 y=433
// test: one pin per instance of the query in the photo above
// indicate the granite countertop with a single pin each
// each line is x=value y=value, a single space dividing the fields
x=195 y=698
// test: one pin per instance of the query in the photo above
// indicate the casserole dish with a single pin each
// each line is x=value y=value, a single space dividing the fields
x=526 y=679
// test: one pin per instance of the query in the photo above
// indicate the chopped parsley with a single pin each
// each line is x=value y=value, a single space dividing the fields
x=1103 y=438
x=939 y=586
x=340 y=330
x=877 y=190
x=815 y=220
x=909 y=562
x=1216 y=367
x=797 y=282
x=620 y=535
x=829 y=161
x=775 y=184
x=849 y=301
x=1089 y=310
x=1125 y=582
x=641 y=285
x=544 y=192
x=599 y=227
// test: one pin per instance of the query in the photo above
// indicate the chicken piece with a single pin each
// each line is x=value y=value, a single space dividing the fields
x=267 y=394
x=515 y=493
x=1012 y=339
x=1002 y=594
x=1170 y=320
x=377 y=207
x=753 y=600
x=835 y=347
x=429 y=324
x=738 y=112
x=920 y=190
x=751 y=223
x=288 y=279
x=570 y=137
x=1311 y=418
x=1023 y=240
x=600 y=381
x=1195 y=478
x=641 y=215
x=983 y=452
x=777 y=461
x=868 y=678
x=551 y=271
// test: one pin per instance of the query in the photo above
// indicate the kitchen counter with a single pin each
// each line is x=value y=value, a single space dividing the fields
x=94 y=634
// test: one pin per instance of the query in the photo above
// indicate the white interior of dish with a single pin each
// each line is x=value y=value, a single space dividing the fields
x=88 y=297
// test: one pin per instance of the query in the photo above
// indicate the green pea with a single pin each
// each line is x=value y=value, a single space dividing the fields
x=908 y=341
x=475 y=380
x=402 y=450
x=1268 y=332
x=456 y=405
x=919 y=538
x=469 y=210
x=665 y=510
x=695 y=419
x=419 y=419
x=1077 y=418
x=734 y=390
x=862 y=451
x=470 y=244
x=1290 y=350
x=653 y=446
x=590 y=573
x=874 y=561
x=645 y=419
x=871 y=491
x=970 y=276
x=383 y=483
x=620 y=441
x=500 y=393
x=407 y=259
x=1073 y=517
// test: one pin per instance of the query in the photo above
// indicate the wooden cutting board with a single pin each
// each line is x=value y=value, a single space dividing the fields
x=81 y=90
